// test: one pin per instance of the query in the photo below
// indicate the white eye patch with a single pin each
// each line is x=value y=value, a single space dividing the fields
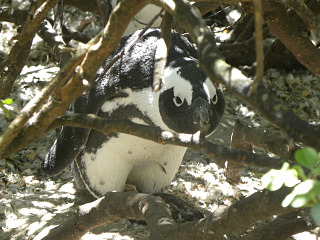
x=182 y=88
x=210 y=90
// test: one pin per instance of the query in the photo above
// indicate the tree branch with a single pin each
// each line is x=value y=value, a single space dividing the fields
x=155 y=134
x=304 y=12
x=111 y=208
x=55 y=41
x=288 y=27
x=258 y=44
x=245 y=137
x=116 y=205
x=281 y=228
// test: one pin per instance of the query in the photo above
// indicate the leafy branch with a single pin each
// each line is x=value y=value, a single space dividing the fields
x=305 y=183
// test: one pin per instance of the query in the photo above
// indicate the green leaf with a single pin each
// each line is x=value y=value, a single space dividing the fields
x=8 y=101
x=291 y=178
x=300 y=172
x=274 y=179
x=302 y=194
x=7 y=113
x=306 y=157
x=5 y=110
x=315 y=213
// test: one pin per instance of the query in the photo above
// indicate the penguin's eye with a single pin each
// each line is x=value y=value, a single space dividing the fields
x=177 y=101
x=214 y=99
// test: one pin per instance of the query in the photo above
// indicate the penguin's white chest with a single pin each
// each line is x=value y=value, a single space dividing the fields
x=149 y=166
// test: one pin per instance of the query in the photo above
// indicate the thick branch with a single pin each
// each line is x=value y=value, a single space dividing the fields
x=244 y=137
x=111 y=208
x=247 y=211
x=219 y=71
x=130 y=205
x=281 y=228
x=305 y=13
x=287 y=27
x=17 y=125
x=218 y=153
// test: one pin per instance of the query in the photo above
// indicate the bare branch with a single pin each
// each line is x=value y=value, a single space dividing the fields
x=111 y=208
x=244 y=138
x=55 y=41
x=305 y=13
x=116 y=205
x=288 y=27
x=15 y=61
x=17 y=125
x=259 y=44
x=281 y=228
x=195 y=142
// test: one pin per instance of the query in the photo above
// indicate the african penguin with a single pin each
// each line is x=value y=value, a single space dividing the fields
x=186 y=103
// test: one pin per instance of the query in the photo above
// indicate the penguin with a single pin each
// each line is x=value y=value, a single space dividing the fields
x=187 y=102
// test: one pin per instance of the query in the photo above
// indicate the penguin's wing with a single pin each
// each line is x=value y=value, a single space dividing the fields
x=71 y=140
x=65 y=149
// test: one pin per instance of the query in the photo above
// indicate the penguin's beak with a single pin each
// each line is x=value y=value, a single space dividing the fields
x=200 y=112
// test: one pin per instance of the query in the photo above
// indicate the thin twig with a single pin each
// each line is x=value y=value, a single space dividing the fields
x=259 y=44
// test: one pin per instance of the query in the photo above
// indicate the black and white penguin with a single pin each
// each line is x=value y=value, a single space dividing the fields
x=186 y=103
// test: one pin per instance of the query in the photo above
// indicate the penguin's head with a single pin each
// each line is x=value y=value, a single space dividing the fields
x=188 y=100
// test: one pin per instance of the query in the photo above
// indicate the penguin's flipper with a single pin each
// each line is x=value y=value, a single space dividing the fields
x=71 y=140
x=65 y=149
